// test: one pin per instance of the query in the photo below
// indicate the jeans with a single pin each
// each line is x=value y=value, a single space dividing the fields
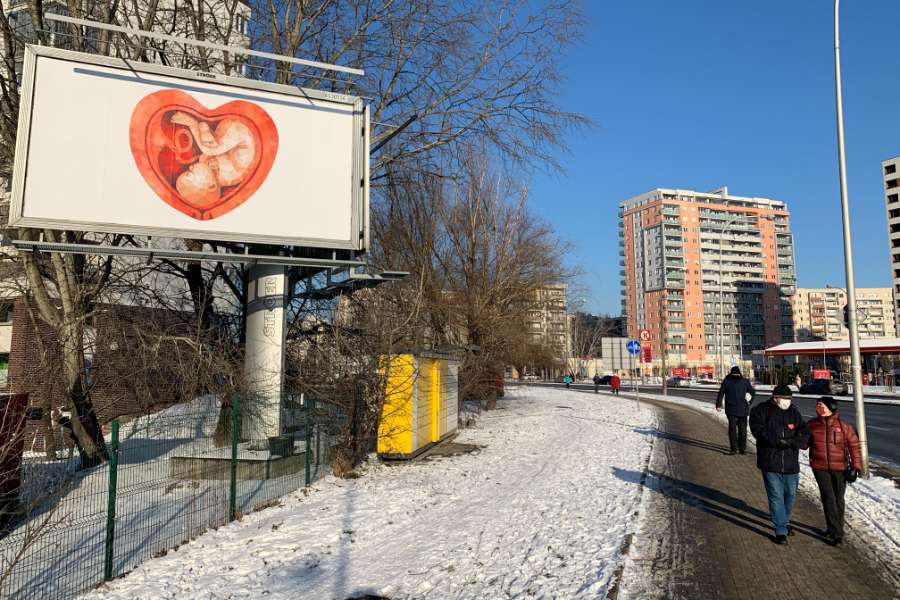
x=831 y=489
x=781 y=488
x=737 y=433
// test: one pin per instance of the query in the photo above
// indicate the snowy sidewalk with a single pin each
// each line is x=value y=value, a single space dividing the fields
x=704 y=530
x=541 y=510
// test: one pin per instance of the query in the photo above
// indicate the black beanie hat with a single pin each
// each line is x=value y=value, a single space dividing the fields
x=829 y=402
x=735 y=370
x=782 y=391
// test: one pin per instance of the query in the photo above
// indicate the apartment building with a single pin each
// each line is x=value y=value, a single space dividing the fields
x=547 y=322
x=890 y=171
x=819 y=313
x=692 y=260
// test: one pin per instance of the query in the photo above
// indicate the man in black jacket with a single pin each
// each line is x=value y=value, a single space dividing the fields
x=736 y=394
x=780 y=433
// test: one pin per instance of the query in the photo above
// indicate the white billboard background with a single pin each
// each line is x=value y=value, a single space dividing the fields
x=80 y=168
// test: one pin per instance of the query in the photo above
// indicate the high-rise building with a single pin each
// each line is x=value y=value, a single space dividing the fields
x=890 y=170
x=682 y=252
x=819 y=313
x=546 y=319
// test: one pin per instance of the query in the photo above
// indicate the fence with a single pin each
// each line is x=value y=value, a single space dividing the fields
x=166 y=482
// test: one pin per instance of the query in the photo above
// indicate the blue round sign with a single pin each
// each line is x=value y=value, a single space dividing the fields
x=634 y=347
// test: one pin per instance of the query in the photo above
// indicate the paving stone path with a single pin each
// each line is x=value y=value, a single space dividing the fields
x=712 y=537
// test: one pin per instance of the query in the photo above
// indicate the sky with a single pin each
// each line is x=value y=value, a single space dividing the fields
x=698 y=94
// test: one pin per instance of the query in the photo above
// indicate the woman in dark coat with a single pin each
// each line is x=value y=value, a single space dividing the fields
x=832 y=441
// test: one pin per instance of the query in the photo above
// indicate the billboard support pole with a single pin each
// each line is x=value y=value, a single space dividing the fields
x=264 y=353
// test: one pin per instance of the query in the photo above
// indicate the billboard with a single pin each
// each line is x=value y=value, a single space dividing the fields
x=110 y=145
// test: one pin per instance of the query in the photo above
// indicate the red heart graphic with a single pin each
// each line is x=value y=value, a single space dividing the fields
x=202 y=162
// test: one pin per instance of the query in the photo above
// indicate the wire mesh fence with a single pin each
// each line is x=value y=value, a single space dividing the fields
x=171 y=476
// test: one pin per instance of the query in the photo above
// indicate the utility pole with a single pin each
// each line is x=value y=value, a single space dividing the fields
x=848 y=252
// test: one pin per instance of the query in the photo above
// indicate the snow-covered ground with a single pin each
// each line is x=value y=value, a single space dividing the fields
x=537 y=511
x=154 y=512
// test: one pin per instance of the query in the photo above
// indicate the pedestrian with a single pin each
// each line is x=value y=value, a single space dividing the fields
x=780 y=433
x=736 y=393
x=832 y=441
x=798 y=381
x=596 y=382
x=568 y=380
x=615 y=383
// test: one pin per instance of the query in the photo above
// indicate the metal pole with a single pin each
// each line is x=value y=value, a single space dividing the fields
x=235 y=437
x=721 y=308
x=111 y=503
x=848 y=252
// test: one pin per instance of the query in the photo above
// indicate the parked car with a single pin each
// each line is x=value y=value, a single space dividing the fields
x=531 y=378
x=678 y=382
x=604 y=380
x=705 y=381
x=828 y=387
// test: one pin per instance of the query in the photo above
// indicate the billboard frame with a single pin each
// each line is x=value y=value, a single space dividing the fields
x=359 y=200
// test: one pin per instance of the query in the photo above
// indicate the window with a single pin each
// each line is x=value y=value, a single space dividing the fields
x=890 y=169
x=6 y=312
x=892 y=183
x=892 y=198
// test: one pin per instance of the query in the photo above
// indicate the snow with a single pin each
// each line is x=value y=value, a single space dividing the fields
x=539 y=510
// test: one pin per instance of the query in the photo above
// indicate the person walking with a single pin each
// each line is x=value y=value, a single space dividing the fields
x=568 y=380
x=736 y=393
x=596 y=382
x=832 y=441
x=615 y=383
x=780 y=433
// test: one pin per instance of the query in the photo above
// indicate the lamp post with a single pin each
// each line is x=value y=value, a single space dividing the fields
x=721 y=345
x=848 y=252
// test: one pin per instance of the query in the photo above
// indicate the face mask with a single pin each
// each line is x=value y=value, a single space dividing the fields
x=783 y=403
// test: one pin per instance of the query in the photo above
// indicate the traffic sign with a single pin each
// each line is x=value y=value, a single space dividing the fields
x=648 y=354
x=633 y=347
x=644 y=335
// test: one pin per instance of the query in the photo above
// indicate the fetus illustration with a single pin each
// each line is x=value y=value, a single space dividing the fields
x=202 y=162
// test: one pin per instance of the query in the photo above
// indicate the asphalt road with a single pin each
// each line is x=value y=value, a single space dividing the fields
x=882 y=420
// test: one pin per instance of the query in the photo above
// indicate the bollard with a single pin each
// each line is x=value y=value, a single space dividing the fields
x=111 y=502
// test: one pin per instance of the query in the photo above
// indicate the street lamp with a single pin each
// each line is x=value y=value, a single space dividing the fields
x=848 y=252
x=721 y=344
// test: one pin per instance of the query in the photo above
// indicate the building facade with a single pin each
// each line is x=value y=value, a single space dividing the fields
x=819 y=313
x=692 y=260
x=890 y=171
x=547 y=322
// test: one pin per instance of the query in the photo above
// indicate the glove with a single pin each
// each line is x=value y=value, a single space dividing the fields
x=783 y=444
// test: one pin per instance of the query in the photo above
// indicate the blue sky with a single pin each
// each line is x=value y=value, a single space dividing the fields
x=697 y=94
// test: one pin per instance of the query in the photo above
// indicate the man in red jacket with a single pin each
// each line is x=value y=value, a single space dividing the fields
x=831 y=442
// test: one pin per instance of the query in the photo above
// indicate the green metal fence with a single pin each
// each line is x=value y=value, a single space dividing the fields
x=171 y=476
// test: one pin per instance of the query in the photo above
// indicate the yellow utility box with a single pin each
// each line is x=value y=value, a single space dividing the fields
x=421 y=403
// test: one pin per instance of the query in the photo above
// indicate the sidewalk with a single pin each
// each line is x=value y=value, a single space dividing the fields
x=705 y=530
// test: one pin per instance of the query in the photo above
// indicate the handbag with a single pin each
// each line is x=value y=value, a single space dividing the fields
x=850 y=474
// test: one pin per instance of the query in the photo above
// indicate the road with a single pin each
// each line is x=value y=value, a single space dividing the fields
x=882 y=420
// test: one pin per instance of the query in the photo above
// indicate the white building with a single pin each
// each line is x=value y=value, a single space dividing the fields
x=819 y=313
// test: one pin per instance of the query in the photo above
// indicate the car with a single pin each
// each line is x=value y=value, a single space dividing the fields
x=531 y=378
x=604 y=380
x=704 y=381
x=679 y=382
x=829 y=387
